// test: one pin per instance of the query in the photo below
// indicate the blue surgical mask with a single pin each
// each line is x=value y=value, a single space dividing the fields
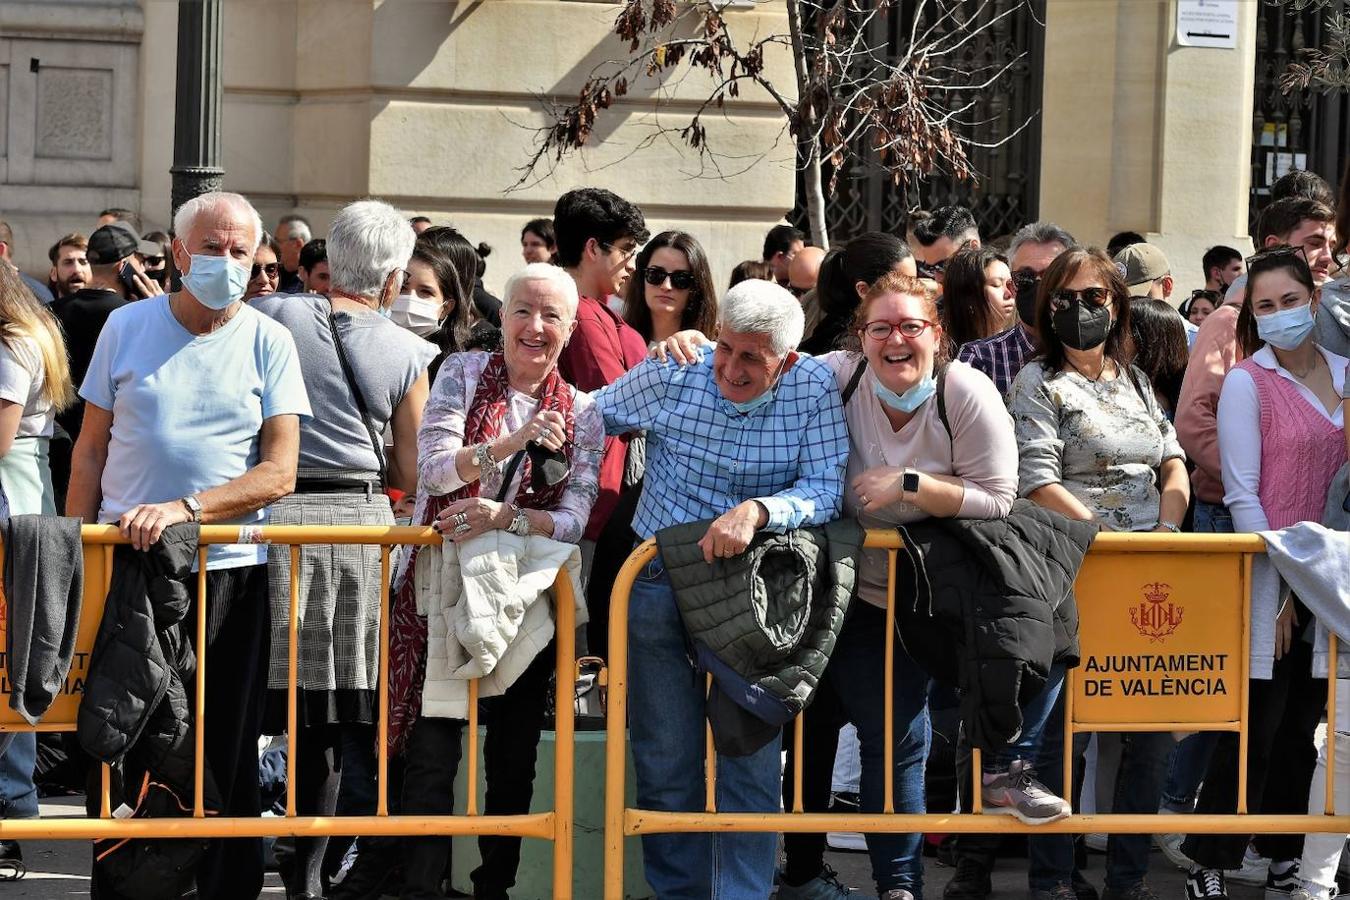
x=1286 y=329
x=215 y=281
x=755 y=403
x=911 y=399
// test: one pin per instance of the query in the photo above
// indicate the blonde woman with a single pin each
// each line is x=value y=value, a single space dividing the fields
x=34 y=385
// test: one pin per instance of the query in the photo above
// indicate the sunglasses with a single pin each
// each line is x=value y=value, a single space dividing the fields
x=881 y=330
x=270 y=268
x=154 y=262
x=1094 y=296
x=1279 y=251
x=1025 y=280
x=1205 y=294
x=931 y=270
x=680 y=280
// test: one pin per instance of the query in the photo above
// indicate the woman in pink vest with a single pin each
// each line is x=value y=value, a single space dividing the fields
x=1281 y=442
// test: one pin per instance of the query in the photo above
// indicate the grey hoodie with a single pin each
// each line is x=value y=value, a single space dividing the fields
x=1332 y=331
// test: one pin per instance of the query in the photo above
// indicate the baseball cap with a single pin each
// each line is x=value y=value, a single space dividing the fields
x=1142 y=264
x=116 y=241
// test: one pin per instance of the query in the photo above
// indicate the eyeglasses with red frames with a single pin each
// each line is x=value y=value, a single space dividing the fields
x=881 y=330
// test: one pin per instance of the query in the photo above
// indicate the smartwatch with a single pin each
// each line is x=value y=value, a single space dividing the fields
x=194 y=508
x=909 y=482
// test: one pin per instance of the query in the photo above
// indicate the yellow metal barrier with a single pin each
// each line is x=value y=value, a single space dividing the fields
x=99 y=540
x=1213 y=573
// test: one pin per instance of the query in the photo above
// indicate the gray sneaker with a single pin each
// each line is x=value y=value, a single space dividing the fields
x=1061 y=891
x=897 y=894
x=1018 y=793
x=825 y=886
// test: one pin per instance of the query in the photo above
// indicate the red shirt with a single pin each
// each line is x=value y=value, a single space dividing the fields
x=602 y=348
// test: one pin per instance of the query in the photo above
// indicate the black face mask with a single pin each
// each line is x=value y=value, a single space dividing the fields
x=1027 y=286
x=1082 y=326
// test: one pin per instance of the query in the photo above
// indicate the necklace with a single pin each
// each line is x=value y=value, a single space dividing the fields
x=1312 y=368
x=1085 y=375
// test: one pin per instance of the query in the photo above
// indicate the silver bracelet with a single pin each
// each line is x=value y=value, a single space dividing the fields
x=487 y=464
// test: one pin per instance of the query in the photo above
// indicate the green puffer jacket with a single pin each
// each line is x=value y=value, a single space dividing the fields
x=772 y=614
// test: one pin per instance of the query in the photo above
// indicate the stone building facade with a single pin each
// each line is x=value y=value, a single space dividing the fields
x=429 y=104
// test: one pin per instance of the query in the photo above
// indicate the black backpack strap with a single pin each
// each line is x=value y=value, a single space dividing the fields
x=375 y=443
x=853 y=381
x=941 y=376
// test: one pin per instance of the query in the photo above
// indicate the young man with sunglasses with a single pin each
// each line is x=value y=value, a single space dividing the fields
x=599 y=234
x=1002 y=356
x=939 y=236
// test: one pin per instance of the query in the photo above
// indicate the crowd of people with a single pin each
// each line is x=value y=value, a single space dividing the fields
x=941 y=382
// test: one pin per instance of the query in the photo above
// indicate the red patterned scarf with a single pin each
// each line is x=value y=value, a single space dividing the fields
x=486 y=421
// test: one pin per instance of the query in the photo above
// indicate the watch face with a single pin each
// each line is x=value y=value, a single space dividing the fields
x=911 y=482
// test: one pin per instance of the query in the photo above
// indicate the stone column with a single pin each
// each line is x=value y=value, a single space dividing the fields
x=196 y=145
x=1140 y=133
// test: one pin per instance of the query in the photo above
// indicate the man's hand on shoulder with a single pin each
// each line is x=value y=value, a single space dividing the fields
x=731 y=532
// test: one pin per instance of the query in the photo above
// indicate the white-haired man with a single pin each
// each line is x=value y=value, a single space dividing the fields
x=192 y=413
x=754 y=435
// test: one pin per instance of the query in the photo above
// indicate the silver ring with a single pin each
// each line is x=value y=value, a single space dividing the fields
x=461 y=519
x=462 y=527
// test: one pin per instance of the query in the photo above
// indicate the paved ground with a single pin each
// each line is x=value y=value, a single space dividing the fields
x=1010 y=877
x=61 y=869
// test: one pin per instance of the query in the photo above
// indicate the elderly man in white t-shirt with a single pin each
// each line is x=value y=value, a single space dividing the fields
x=192 y=414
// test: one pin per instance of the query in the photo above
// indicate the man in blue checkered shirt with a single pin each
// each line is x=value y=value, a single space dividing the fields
x=753 y=437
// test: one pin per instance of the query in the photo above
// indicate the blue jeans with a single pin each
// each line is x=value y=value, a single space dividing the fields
x=1190 y=761
x=1212 y=518
x=666 y=721
x=856 y=674
x=1036 y=716
x=1143 y=767
x=18 y=795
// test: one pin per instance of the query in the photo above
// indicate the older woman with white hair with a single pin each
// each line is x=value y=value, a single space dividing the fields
x=505 y=444
x=366 y=374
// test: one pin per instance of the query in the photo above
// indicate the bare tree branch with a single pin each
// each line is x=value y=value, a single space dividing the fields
x=905 y=107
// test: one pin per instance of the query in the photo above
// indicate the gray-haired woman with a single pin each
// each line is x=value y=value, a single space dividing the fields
x=365 y=373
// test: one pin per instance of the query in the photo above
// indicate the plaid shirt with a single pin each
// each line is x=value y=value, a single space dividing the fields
x=1000 y=357
x=704 y=457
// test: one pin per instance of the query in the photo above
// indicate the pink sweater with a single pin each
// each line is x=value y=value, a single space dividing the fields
x=1300 y=451
x=981 y=451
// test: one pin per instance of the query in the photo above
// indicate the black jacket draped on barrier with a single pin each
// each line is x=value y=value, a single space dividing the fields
x=764 y=623
x=987 y=605
x=137 y=710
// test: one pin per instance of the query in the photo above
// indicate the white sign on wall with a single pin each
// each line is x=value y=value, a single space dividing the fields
x=1207 y=23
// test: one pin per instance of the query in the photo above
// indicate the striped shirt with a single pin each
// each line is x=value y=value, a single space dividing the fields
x=704 y=457
x=1000 y=357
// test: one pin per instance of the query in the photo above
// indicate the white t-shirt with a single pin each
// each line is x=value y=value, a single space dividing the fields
x=21 y=382
x=188 y=409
